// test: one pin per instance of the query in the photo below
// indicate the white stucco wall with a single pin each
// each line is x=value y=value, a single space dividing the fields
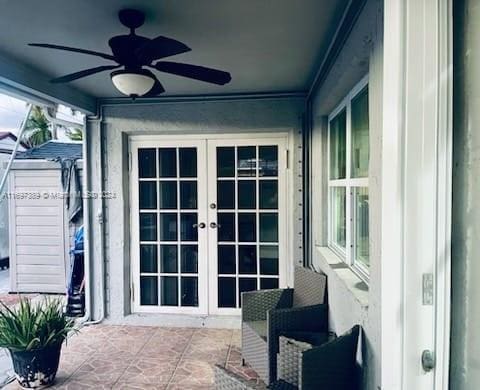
x=118 y=122
x=351 y=301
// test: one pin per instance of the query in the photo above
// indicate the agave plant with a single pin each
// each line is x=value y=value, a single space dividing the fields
x=32 y=327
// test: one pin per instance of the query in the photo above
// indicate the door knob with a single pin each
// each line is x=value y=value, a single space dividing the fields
x=213 y=225
x=428 y=360
x=200 y=225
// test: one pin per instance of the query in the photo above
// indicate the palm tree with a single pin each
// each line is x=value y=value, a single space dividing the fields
x=38 y=129
x=74 y=134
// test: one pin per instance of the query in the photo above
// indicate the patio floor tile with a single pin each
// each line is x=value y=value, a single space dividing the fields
x=147 y=358
x=106 y=370
x=150 y=371
x=193 y=373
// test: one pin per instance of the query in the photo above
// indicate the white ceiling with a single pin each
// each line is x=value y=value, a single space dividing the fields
x=266 y=45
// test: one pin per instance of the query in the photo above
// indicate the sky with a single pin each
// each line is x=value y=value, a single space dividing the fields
x=12 y=113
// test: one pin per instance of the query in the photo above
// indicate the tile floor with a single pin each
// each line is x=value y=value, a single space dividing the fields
x=134 y=357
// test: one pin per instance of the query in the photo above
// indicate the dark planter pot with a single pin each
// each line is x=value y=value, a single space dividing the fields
x=36 y=368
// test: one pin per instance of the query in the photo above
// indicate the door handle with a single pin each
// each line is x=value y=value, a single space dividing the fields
x=214 y=225
x=428 y=360
x=200 y=225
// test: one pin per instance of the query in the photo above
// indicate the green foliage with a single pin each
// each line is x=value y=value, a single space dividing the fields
x=30 y=327
x=75 y=134
x=38 y=129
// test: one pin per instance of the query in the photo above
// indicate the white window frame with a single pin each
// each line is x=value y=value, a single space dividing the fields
x=350 y=184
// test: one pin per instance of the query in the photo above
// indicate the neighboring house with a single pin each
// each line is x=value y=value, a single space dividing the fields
x=40 y=231
x=7 y=144
x=332 y=148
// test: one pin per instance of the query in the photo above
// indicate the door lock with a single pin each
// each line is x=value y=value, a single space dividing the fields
x=428 y=360
x=213 y=206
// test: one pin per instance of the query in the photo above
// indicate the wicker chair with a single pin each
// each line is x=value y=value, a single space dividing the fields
x=266 y=314
x=227 y=380
x=331 y=365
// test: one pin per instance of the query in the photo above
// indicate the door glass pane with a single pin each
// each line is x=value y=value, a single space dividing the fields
x=189 y=230
x=268 y=227
x=247 y=231
x=188 y=162
x=148 y=290
x=148 y=227
x=189 y=291
x=268 y=160
x=247 y=193
x=246 y=284
x=148 y=258
x=268 y=194
x=362 y=255
x=189 y=259
x=188 y=194
x=169 y=286
x=146 y=163
x=226 y=226
x=226 y=259
x=167 y=162
x=338 y=211
x=268 y=283
x=168 y=258
x=168 y=226
x=247 y=259
x=360 y=138
x=338 y=145
x=269 y=260
x=148 y=195
x=227 y=292
x=225 y=162
x=247 y=161
x=168 y=195
x=225 y=194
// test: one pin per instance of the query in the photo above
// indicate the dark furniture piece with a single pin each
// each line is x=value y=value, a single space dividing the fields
x=330 y=365
x=266 y=314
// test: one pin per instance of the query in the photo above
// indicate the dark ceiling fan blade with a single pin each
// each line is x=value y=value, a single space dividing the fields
x=83 y=73
x=196 y=72
x=74 y=49
x=157 y=89
x=160 y=47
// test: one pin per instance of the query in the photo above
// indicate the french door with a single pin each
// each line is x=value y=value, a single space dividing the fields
x=208 y=222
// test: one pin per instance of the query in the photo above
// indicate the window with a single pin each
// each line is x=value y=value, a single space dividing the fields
x=348 y=134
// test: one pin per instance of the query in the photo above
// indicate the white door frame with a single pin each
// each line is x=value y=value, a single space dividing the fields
x=135 y=144
x=202 y=141
x=212 y=217
x=416 y=192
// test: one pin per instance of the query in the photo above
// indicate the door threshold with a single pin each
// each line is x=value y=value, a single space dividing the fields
x=178 y=320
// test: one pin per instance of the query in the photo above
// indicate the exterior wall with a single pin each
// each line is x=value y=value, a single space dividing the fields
x=208 y=117
x=351 y=301
x=40 y=233
x=6 y=146
x=465 y=345
x=4 y=247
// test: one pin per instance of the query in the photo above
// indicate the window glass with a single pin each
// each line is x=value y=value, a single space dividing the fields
x=360 y=140
x=361 y=227
x=338 y=144
x=339 y=228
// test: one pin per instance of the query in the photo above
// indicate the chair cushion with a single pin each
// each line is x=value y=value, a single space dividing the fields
x=260 y=328
x=332 y=364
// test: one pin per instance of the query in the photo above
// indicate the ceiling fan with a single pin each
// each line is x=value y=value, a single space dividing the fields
x=134 y=53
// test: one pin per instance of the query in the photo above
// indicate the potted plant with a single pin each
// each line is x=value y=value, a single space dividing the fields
x=34 y=334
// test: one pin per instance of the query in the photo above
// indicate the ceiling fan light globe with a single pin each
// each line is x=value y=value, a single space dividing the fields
x=132 y=83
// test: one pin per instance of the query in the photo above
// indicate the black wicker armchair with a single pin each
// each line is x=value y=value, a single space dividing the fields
x=266 y=314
